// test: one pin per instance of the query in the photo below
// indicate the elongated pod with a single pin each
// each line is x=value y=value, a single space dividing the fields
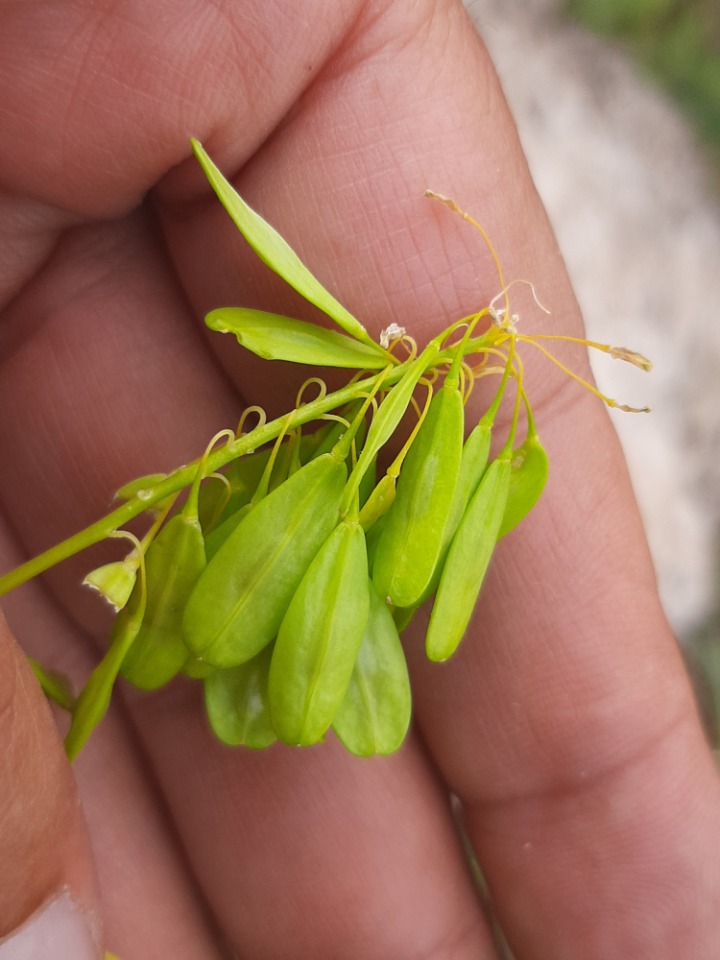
x=414 y=533
x=374 y=715
x=467 y=562
x=320 y=637
x=241 y=597
x=527 y=481
x=237 y=705
x=174 y=561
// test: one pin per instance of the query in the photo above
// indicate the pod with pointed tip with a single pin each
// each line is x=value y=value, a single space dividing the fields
x=94 y=699
x=527 y=481
x=320 y=637
x=414 y=533
x=473 y=463
x=55 y=685
x=241 y=597
x=379 y=501
x=467 y=562
x=173 y=563
x=237 y=705
x=472 y=467
x=387 y=418
x=374 y=715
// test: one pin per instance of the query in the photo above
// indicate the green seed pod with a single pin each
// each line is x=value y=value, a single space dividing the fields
x=218 y=535
x=173 y=563
x=55 y=685
x=241 y=597
x=236 y=701
x=197 y=669
x=402 y=617
x=372 y=538
x=387 y=419
x=527 y=481
x=379 y=501
x=467 y=561
x=472 y=466
x=367 y=484
x=374 y=715
x=319 y=638
x=414 y=534
x=94 y=699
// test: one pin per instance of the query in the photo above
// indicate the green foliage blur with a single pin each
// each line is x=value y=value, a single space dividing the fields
x=677 y=41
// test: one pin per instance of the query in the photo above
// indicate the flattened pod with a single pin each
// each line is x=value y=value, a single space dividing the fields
x=241 y=597
x=320 y=637
x=413 y=537
x=94 y=700
x=472 y=466
x=527 y=481
x=219 y=534
x=374 y=715
x=379 y=502
x=236 y=701
x=173 y=563
x=467 y=562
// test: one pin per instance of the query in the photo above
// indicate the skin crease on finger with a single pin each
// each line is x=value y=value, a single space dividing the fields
x=572 y=691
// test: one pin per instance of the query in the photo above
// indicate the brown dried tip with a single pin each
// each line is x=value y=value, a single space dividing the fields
x=626 y=409
x=630 y=356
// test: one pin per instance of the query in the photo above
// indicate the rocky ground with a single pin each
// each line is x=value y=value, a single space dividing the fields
x=626 y=188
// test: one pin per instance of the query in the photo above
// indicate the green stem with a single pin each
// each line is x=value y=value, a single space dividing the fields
x=184 y=476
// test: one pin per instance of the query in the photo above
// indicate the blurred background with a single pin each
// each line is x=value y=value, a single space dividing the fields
x=617 y=103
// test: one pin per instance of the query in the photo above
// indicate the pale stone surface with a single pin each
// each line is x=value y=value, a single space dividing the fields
x=625 y=187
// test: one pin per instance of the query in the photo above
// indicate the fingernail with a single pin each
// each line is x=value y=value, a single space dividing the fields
x=58 y=930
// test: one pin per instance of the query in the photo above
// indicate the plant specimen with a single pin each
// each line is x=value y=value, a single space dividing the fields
x=280 y=568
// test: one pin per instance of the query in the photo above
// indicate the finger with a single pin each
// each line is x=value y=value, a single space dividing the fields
x=91 y=380
x=132 y=91
x=220 y=802
x=146 y=896
x=574 y=679
x=47 y=888
x=425 y=921
x=361 y=856
x=556 y=278
x=421 y=897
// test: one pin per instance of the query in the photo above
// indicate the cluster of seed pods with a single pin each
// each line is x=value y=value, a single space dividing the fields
x=280 y=569
x=283 y=583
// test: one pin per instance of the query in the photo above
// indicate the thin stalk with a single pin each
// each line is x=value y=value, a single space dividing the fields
x=184 y=476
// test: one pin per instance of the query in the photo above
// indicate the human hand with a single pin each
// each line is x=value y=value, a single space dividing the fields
x=564 y=724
